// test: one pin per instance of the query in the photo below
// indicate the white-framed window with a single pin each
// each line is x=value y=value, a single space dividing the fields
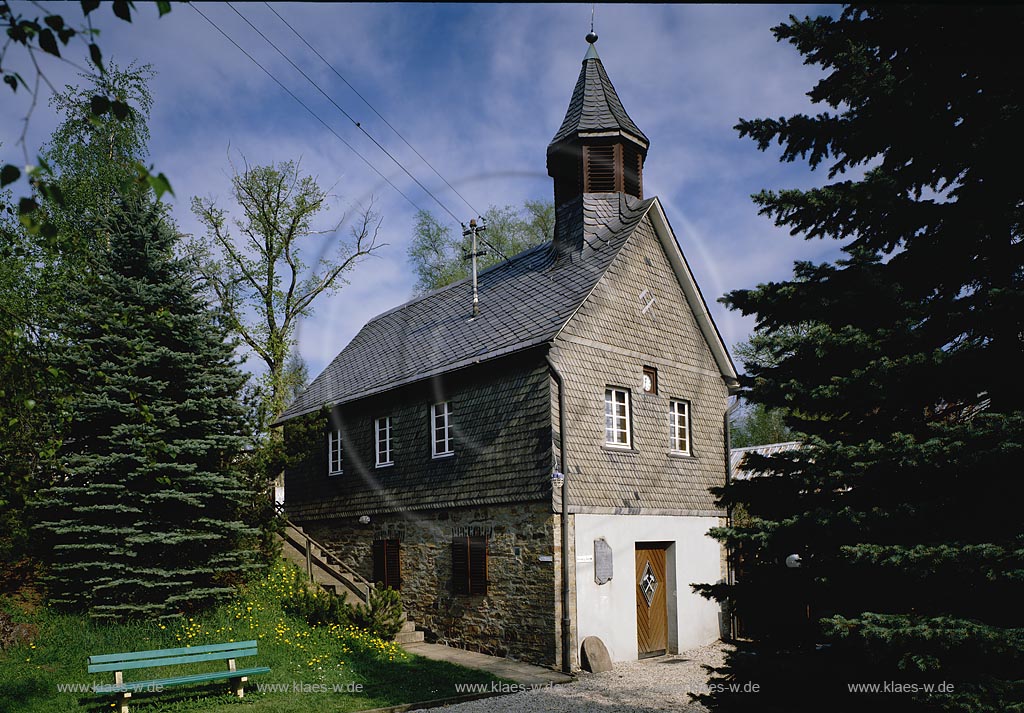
x=679 y=426
x=616 y=418
x=441 y=429
x=334 y=452
x=382 y=427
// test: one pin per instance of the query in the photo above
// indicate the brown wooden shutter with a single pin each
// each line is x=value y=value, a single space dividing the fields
x=387 y=563
x=460 y=565
x=469 y=565
x=478 y=565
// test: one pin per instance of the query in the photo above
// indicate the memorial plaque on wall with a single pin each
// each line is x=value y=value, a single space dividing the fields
x=602 y=561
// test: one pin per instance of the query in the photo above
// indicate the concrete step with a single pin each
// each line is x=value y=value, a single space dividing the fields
x=409 y=637
x=407 y=626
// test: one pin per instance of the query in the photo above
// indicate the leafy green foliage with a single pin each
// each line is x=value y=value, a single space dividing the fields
x=439 y=258
x=260 y=277
x=57 y=645
x=315 y=606
x=896 y=361
x=48 y=36
x=143 y=518
x=381 y=615
x=755 y=425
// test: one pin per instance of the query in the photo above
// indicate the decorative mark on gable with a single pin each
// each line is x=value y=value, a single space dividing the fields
x=647 y=299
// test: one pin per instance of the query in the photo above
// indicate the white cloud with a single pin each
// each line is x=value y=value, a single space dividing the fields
x=479 y=90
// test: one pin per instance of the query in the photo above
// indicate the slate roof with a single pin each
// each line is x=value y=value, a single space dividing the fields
x=524 y=302
x=595 y=105
x=736 y=456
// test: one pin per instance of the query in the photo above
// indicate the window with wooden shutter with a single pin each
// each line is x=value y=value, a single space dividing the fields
x=386 y=563
x=469 y=564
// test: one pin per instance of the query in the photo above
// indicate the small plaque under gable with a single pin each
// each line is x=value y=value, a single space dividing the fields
x=602 y=561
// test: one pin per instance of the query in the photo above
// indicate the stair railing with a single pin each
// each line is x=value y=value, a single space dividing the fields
x=330 y=562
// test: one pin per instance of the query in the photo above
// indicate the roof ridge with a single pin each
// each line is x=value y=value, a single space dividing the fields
x=452 y=285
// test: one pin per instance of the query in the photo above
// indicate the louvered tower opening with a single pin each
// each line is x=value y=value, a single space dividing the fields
x=632 y=171
x=599 y=169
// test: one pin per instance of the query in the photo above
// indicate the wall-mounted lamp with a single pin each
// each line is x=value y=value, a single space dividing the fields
x=364 y=519
x=557 y=479
x=793 y=561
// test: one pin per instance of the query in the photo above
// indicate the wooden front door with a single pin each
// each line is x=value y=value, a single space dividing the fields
x=651 y=600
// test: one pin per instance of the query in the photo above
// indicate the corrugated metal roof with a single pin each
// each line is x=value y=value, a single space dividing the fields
x=736 y=457
x=595 y=105
x=523 y=302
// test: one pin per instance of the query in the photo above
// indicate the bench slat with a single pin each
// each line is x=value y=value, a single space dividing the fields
x=171 y=660
x=181 y=680
x=162 y=653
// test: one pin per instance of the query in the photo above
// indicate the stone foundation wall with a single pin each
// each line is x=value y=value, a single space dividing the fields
x=516 y=618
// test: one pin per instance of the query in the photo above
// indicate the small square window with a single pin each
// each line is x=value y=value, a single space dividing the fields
x=334 y=452
x=616 y=418
x=679 y=426
x=441 y=430
x=382 y=430
x=650 y=380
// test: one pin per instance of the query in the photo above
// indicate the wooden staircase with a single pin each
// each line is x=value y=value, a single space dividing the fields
x=332 y=575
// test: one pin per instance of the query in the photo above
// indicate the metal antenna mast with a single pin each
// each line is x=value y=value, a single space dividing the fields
x=472 y=230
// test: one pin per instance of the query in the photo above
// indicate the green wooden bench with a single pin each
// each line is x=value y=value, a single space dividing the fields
x=118 y=663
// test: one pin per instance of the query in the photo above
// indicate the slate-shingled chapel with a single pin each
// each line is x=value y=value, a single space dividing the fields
x=425 y=452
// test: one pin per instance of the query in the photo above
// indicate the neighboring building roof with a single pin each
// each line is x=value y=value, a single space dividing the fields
x=524 y=302
x=595 y=106
x=736 y=456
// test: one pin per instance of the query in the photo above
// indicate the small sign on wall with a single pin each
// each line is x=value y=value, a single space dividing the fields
x=602 y=561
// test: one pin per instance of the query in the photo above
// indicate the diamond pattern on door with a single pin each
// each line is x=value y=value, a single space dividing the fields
x=648 y=584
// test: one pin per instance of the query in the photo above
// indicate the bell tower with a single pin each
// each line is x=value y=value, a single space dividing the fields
x=598 y=148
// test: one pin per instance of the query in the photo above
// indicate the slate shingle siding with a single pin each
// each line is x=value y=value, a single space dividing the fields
x=501 y=424
x=607 y=343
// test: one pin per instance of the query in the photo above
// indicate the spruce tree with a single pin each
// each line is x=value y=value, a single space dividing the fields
x=899 y=362
x=143 y=519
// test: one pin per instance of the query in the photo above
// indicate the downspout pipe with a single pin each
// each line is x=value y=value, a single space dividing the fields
x=729 y=573
x=563 y=457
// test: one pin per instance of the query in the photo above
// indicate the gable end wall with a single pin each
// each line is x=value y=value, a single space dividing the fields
x=607 y=343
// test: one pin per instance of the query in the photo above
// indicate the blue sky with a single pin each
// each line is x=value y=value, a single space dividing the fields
x=479 y=90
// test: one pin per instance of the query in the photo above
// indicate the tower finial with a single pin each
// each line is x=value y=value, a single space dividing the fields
x=592 y=36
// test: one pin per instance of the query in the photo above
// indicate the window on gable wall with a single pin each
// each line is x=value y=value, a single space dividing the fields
x=334 y=452
x=469 y=564
x=679 y=426
x=382 y=429
x=441 y=429
x=616 y=418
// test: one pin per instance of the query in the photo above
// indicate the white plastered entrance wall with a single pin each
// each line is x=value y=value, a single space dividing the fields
x=608 y=610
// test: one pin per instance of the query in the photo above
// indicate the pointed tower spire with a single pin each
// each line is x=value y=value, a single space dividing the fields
x=598 y=148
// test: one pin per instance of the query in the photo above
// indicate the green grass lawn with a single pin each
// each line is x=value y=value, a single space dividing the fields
x=317 y=658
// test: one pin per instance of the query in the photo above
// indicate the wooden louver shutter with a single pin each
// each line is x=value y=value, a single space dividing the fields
x=386 y=563
x=469 y=565
x=631 y=171
x=478 y=565
x=599 y=169
x=460 y=565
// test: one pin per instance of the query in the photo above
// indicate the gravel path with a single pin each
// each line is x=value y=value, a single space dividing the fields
x=648 y=686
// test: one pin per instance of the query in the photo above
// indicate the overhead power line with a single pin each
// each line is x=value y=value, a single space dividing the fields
x=306 y=107
x=348 y=116
x=327 y=126
x=372 y=108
